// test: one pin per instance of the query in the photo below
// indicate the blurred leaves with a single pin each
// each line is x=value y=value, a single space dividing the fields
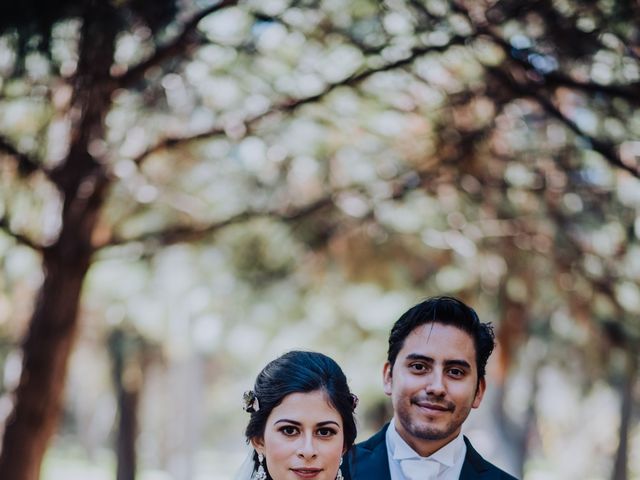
x=295 y=175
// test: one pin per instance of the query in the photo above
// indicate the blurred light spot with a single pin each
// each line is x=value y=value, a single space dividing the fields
x=520 y=42
x=456 y=220
x=630 y=153
x=207 y=333
x=517 y=289
x=195 y=72
x=572 y=202
x=519 y=176
x=470 y=184
x=271 y=36
x=543 y=63
x=12 y=370
x=586 y=24
x=226 y=26
x=134 y=143
x=628 y=294
x=276 y=153
x=124 y=168
x=353 y=204
x=452 y=279
x=460 y=244
x=147 y=194
x=435 y=239
x=602 y=73
x=256 y=104
x=438 y=38
x=252 y=151
x=396 y=24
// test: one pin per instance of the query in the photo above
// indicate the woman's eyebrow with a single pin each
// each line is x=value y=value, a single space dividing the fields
x=286 y=420
x=328 y=422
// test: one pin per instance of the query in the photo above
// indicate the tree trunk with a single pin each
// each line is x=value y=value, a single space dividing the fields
x=127 y=381
x=620 y=467
x=45 y=351
x=83 y=184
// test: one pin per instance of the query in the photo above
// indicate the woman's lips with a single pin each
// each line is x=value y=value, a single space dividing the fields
x=306 y=472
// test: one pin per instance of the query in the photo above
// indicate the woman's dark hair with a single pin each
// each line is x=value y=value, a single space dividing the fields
x=302 y=372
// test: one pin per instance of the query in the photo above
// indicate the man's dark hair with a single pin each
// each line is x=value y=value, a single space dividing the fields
x=446 y=311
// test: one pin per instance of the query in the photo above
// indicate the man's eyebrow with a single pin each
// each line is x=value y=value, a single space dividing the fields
x=457 y=363
x=448 y=363
x=417 y=356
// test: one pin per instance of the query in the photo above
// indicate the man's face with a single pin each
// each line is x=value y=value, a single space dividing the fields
x=433 y=385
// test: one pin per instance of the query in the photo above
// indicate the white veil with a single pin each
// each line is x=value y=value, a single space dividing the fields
x=247 y=469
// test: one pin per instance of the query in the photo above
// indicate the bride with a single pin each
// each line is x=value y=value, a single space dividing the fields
x=301 y=419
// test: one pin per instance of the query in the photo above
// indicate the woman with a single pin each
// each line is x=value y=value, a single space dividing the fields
x=301 y=419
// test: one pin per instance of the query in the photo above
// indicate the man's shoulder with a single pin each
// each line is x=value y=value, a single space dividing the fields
x=475 y=466
x=374 y=441
x=368 y=459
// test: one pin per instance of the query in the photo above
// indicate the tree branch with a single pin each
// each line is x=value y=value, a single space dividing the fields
x=605 y=149
x=181 y=234
x=630 y=92
x=26 y=164
x=172 y=49
x=21 y=239
x=290 y=105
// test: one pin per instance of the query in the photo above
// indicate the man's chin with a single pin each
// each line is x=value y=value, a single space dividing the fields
x=430 y=432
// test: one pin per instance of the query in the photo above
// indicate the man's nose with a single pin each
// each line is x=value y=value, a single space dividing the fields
x=307 y=447
x=435 y=384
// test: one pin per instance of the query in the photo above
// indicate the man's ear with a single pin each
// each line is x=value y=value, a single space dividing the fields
x=482 y=386
x=258 y=444
x=387 y=379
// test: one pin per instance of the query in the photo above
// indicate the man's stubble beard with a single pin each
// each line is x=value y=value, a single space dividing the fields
x=428 y=432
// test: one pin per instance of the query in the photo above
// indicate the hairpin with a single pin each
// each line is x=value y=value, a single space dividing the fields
x=354 y=401
x=250 y=402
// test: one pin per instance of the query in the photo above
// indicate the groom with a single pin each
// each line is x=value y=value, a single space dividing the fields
x=435 y=375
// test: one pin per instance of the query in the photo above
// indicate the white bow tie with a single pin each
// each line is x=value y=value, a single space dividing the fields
x=419 y=468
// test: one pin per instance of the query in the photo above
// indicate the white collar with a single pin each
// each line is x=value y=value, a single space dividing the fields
x=447 y=455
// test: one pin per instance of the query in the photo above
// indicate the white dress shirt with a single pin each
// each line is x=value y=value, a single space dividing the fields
x=406 y=464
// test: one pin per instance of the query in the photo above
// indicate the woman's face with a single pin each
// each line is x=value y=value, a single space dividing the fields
x=303 y=438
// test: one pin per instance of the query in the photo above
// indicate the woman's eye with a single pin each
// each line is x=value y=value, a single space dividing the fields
x=326 y=432
x=289 y=430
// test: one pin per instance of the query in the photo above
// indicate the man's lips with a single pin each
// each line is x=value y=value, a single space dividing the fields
x=306 y=472
x=434 y=406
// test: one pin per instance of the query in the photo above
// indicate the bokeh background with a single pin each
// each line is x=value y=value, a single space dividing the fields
x=189 y=189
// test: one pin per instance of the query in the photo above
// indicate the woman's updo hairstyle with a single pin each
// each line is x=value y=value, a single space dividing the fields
x=300 y=372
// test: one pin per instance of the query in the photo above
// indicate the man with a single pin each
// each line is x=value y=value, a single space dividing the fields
x=435 y=375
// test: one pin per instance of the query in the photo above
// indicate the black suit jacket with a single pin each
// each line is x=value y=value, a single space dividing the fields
x=369 y=461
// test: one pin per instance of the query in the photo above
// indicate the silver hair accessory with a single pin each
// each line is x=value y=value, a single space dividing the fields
x=339 y=475
x=250 y=402
x=260 y=474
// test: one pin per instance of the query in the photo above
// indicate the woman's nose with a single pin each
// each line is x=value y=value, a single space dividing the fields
x=307 y=447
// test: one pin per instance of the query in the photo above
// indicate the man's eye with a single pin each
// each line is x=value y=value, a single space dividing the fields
x=456 y=372
x=326 y=432
x=418 y=367
x=289 y=430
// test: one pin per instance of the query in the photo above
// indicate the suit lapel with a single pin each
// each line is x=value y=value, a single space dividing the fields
x=475 y=467
x=371 y=460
